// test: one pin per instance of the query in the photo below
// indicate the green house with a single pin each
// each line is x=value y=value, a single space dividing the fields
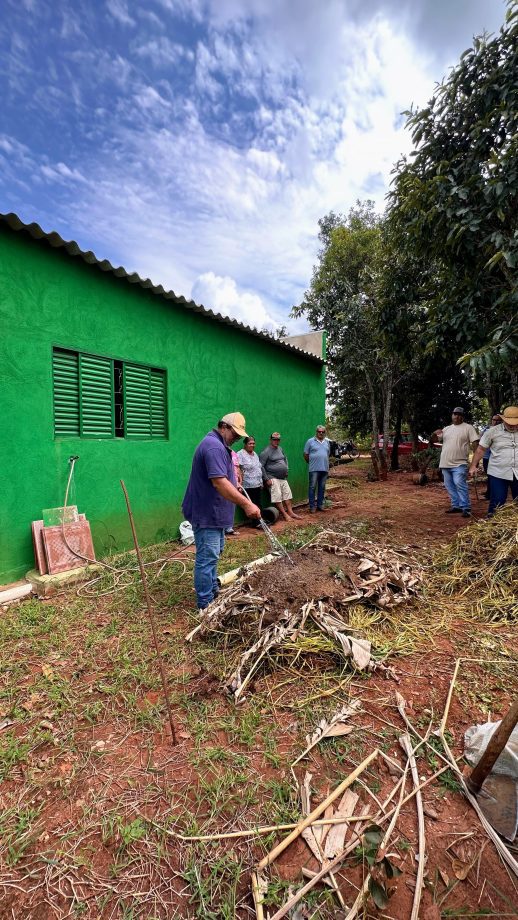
x=106 y=366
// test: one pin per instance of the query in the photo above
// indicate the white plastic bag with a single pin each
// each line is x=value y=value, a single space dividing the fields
x=186 y=534
x=476 y=740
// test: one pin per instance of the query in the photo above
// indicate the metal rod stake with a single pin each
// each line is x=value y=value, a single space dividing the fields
x=150 y=613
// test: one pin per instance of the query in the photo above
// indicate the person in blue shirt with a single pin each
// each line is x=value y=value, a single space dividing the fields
x=210 y=499
x=316 y=455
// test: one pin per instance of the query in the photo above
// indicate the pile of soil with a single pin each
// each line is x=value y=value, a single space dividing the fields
x=317 y=574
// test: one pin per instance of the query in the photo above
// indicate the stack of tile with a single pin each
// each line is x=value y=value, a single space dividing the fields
x=62 y=541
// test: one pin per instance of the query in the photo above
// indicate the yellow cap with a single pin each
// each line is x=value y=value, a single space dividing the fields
x=510 y=415
x=237 y=422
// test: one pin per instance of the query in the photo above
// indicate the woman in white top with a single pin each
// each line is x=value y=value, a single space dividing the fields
x=251 y=471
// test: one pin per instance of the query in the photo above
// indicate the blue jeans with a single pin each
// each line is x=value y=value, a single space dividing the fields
x=456 y=486
x=499 y=490
x=209 y=546
x=319 y=480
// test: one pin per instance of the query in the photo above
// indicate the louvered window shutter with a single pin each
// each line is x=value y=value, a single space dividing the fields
x=65 y=375
x=137 y=401
x=144 y=402
x=158 y=404
x=96 y=389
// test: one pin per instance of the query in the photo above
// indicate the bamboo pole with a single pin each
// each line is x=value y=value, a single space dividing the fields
x=256 y=831
x=257 y=895
x=442 y=726
x=382 y=847
x=407 y=747
x=270 y=857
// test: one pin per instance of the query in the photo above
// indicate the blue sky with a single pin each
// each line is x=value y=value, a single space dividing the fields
x=199 y=141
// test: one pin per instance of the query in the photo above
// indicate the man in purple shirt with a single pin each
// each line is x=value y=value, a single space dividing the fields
x=209 y=500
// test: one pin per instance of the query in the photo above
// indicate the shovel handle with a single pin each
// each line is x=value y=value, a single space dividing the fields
x=495 y=746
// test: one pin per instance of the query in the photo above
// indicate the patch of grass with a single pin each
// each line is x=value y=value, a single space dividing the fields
x=115 y=829
x=282 y=801
x=201 y=718
x=277 y=894
x=220 y=792
x=207 y=756
x=449 y=782
x=13 y=751
x=213 y=880
x=17 y=832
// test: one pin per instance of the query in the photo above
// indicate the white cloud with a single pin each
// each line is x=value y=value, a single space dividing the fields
x=62 y=173
x=215 y=184
x=222 y=296
x=118 y=9
x=162 y=52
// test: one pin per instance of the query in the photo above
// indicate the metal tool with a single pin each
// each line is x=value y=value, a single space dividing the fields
x=150 y=614
x=275 y=544
x=497 y=793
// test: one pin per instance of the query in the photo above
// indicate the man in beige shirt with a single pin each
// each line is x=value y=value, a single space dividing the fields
x=503 y=462
x=456 y=439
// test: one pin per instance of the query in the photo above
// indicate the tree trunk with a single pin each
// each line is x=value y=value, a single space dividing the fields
x=375 y=464
x=387 y=400
x=375 y=452
x=394 y=458
x=415 y=446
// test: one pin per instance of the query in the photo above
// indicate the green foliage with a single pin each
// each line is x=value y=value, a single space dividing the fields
x=382 y=872
x=372 y=296
x=454 y=201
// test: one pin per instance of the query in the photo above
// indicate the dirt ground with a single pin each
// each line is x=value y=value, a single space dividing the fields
x=96 y=800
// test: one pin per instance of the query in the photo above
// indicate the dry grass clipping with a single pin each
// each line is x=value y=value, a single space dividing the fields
x=479 y=568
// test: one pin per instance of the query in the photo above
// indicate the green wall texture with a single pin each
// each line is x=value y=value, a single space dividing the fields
x=48 y=298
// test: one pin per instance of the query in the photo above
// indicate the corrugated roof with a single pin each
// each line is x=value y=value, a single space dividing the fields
x=57 y=242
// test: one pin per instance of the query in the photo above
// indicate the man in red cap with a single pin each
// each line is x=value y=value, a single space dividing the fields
x=209 y=501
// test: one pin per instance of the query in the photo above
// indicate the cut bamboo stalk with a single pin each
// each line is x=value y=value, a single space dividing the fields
x=257 y=896
x=270 y=857
x=442 y=726
x=254 y=832
x=341 y=856
x=395 y=814
x=407 y=747
x=311 y=884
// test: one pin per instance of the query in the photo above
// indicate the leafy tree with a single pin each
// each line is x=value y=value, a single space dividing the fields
x=342 y=299
x=454 y=202
x=372 y=297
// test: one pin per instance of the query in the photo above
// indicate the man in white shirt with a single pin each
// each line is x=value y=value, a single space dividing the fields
x=503 y=461
x=456 y=439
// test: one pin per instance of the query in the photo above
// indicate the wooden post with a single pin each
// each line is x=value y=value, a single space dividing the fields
x=496 y=744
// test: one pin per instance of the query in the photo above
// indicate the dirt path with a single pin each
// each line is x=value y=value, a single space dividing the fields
x=397 y=510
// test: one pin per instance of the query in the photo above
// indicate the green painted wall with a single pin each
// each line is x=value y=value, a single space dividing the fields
x=48 y=298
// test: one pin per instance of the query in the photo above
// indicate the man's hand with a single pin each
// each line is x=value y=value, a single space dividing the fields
x=268 y=483
x=472 y=471
x=251 y=510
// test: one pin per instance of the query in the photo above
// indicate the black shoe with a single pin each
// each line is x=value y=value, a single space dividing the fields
x=466 y=513
x=453 y=511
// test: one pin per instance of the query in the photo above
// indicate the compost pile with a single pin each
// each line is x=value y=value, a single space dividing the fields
x=479 y=568
x=282 y=608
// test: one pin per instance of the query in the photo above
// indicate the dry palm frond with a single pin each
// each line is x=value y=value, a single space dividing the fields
x=381 y=575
